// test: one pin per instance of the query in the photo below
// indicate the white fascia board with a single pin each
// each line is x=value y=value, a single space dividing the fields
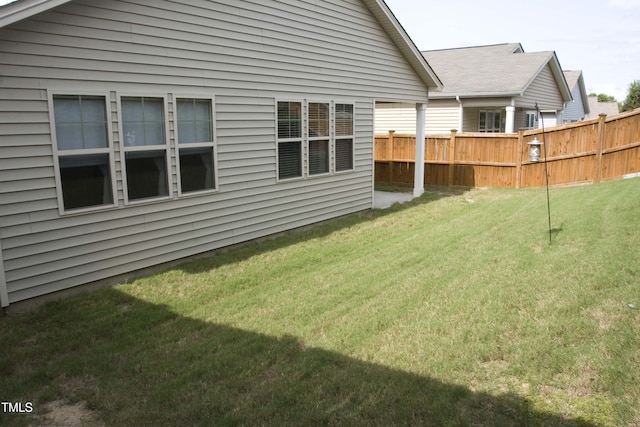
x=24 y=9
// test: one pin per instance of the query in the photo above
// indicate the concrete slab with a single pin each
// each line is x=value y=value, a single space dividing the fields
x=385 y=199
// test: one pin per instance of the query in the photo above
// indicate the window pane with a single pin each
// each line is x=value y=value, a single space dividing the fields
x=344 y=154
x=318 y=119
x=146 y=174
x=289 y=160
x=133 y=134
x=195 y=123
x=86 y=181
x=289 y=120
x=152 y=110
x=203 y=109
x=344 y=119
x=153 y=133
x=186 y=133
x=196 y=169
x=80 y=122
x=186 y=110
x=94 y=135
x=203 y=132
x=483 y=120
x=93 y=109
x=132 y=109
x=318 y=157
x=69 y=136
x=143 y=121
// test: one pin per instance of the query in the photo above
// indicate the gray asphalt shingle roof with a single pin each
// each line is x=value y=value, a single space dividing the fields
x=494 y=70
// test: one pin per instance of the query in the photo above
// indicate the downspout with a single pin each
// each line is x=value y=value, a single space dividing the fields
x=460 y=114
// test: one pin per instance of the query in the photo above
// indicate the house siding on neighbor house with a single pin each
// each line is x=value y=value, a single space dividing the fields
x=575 y=110
x=241 y=58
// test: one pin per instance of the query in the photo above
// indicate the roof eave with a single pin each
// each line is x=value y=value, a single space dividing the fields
x=443 y=95
x=24 y=9
x=583 y=94
x=394 y=29
x=558 y=75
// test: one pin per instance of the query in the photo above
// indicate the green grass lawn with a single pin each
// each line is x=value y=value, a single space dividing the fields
x=452 y=309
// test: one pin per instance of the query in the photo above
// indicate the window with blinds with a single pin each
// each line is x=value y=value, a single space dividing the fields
x=314 y=138
x=289 y=137
x=344 y=137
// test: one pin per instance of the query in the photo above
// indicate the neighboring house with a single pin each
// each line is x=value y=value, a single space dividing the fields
x=138 y=133
x=596 y=108
x=577 y=109
x=486 y=89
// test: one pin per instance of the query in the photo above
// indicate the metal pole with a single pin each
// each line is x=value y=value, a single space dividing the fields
x=546 y=170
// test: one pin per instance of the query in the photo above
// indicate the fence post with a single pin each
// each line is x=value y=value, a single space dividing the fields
x=598 y=171
x=519 y=158
x=451 y=154
x=390 y=156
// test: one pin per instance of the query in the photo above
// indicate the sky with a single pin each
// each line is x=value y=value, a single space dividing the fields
x=599 y=37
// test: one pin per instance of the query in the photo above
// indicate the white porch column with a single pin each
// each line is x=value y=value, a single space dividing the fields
x=418 y=180
x=511 y=119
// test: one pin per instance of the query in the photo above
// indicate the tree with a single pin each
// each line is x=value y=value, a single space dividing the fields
x=603 y=97
x=632 y=101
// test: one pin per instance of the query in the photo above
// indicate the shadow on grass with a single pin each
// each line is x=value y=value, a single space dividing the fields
x=137 y=363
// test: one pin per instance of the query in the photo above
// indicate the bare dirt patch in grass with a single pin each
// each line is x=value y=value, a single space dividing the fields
x=63 y=414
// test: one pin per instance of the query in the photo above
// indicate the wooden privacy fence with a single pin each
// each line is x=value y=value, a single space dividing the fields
x=590 y=151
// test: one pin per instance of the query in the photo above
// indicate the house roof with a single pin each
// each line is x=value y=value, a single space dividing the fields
x=597 y=108
x=574 y=77
x=24 y=9
x=490 y=71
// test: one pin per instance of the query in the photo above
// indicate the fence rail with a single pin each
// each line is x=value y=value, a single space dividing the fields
x=591 y=151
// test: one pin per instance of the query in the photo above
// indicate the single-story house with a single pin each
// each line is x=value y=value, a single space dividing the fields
x=491 y=88
x=577 y=109
x=140 y=133
x=596 y=108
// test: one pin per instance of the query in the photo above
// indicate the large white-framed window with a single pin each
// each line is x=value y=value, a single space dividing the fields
x=144 y=140
x=344 y=137
x=491 y=121
x=289 y=139
x=83 y=151
x=196 y=149
x=314 y=138
x=318 y=137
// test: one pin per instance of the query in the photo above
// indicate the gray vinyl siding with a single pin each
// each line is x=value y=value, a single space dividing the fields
x=575 y=109
x=246 y=55
x=544 y=91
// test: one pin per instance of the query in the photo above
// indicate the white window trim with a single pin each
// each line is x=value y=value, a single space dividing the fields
x=306 y=139
x=110 y=150
x=124 y=149
x=175 y=97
